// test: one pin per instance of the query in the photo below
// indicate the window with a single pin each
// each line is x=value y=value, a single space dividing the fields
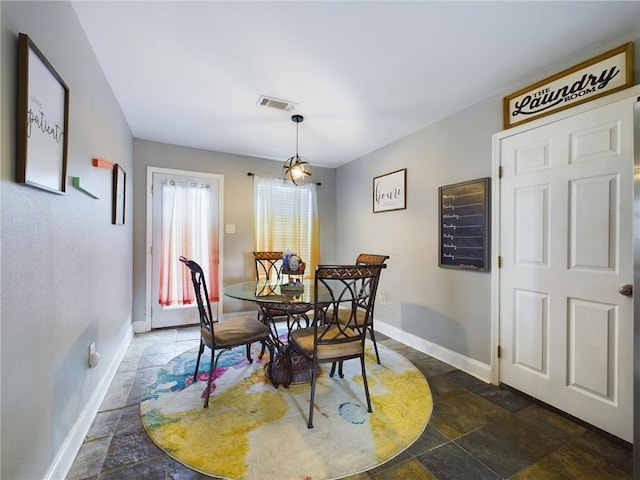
x=286 y=217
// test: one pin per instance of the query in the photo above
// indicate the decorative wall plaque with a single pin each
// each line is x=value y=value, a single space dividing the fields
x=602 y=75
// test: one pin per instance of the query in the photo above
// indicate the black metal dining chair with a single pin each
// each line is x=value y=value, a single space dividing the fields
x=332 y=339
x=369 y=259
x=372 y=259
x=222 y=335
x=268 y=267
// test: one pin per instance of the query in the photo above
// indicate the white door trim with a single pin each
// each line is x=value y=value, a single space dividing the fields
x=495 y=206
x=146 y=325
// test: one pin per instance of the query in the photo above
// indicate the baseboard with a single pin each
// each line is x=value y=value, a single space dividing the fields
x=145 y=325
x=473 y=367
x=141 y=327
x=70 y=447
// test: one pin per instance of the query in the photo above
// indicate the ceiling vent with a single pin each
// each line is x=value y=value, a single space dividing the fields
x=276 y=103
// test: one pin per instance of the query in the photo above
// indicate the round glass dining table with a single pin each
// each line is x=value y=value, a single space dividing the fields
x=275 y=295
x=295 y=303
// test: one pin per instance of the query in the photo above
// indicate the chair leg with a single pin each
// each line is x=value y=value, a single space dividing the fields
x=366 y=384
x=272 y=357
x=263 y=349
x=287 y=357
x=195 y=374
x=313 y=396
x=375 y=345
x=212 y=368
x=249 y=352
x=333 y=369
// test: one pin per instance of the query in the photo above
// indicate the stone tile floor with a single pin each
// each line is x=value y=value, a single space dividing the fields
x=477 y=431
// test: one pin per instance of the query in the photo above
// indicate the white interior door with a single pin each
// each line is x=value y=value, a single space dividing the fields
x=163 y=316
x=566 y=333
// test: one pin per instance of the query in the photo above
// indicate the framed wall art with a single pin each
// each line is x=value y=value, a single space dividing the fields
x=464 y=225
x=43 y=121
x=390 y=191
x=605 y=74
x=119 y=194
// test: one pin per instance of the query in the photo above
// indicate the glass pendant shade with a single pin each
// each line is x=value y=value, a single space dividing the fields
x=296 y=168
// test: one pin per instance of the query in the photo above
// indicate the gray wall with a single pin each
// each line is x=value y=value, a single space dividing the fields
x=238 y=260
x=447 y=307
x=450 y=308
x=66 y=271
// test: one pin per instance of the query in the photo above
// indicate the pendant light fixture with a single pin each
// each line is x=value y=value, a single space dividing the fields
x=296 y=168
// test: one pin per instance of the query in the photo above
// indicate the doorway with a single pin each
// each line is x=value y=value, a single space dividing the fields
x=162 y=309
x=565 y=242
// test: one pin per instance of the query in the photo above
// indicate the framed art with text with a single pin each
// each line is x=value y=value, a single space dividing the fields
x=390 y=191
x=464 y=225
x=605 y=74
x=119 y=189
x=43 y=121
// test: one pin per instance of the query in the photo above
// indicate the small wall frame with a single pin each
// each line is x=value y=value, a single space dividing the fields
x=43 y=121
x=465 y=225
x=119 y=194
x=390 y=191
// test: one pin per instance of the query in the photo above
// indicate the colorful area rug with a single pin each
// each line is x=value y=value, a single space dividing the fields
x=252 y=431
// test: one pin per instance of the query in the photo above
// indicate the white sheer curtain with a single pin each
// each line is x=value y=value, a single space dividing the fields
x=286 y=217
x=187 y=230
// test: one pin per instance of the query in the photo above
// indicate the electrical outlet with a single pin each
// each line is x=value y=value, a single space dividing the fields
x=92 y=352
x=383 y=298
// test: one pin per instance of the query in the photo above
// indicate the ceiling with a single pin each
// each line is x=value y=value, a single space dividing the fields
x=363 y=74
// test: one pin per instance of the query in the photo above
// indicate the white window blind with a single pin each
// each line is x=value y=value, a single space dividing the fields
x=285 y=215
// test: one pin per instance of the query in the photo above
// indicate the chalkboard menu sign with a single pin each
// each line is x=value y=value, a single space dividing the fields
x=464 y=225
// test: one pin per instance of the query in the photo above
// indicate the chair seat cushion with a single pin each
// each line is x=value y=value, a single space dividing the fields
x=344 y=315
x=236 y=331
x=302 y=340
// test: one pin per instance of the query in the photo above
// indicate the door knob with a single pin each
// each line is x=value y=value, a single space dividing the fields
x=626 y=290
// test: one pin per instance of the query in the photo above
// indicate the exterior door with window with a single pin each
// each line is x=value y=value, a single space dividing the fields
x=186 y=221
